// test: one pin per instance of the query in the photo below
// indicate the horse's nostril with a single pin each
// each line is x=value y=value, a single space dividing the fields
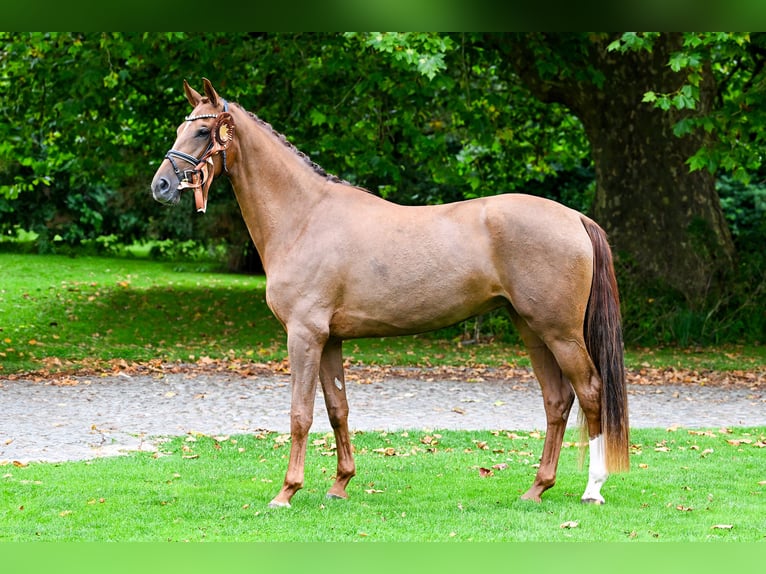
x=163 y=184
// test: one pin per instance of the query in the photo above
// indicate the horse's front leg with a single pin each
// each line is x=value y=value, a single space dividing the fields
x=334 y=388
x=304 y=350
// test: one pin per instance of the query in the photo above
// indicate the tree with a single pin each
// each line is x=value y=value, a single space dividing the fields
x=663 y=218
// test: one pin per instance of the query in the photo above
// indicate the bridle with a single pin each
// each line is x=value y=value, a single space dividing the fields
x=199 y=178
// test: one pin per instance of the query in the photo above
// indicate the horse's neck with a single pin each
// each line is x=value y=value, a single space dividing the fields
x=276 y=189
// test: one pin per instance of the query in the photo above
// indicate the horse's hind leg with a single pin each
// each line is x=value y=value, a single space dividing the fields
x=558 y=397
x=334 y=388
x=578 y=367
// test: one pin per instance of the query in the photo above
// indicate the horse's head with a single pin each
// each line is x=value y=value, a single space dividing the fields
x=199 y=152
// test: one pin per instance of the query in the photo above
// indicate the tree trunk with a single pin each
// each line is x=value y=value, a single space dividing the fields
x=662 y=220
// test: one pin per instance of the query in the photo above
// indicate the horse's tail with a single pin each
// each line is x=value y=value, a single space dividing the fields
x=603 y=339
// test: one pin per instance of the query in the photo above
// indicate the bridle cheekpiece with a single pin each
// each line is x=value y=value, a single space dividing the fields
x=199 y=178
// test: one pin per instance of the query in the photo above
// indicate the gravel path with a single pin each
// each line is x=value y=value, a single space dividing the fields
x=74 y=418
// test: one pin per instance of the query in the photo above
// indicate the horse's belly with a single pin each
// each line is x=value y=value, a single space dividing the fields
x=408 y=313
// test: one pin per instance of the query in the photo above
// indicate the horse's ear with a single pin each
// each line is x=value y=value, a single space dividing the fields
x=210 y=91
x=192 y=95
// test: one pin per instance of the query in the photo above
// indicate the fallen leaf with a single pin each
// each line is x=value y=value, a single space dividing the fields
x=484 y=472
x=458 y=410
x=683 y=508
x=702 y=433
x=722 y=527
x=738 y=442
x=501 y=466
x=569 y=524
x=373 y=491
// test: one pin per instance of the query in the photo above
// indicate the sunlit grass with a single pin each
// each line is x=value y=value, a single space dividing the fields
x=703 y=485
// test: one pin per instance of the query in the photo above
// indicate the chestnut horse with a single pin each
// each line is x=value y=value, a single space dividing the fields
x=342 y=263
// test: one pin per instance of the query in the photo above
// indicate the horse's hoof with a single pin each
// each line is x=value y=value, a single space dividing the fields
x=596 y=501
x=277 y=504
x=531 y=497
x=333 y=496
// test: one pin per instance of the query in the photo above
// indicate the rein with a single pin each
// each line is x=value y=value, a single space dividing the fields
x=198 y=178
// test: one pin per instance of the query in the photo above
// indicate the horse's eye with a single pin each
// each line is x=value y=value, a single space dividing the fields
x=203 y=132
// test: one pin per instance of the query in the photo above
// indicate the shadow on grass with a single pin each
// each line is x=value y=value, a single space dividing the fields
x=160 y=322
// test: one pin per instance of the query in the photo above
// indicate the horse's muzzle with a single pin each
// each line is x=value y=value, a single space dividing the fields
x=164 y=191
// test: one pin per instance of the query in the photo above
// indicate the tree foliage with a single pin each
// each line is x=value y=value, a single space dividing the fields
x=736 y=60
x=418 y=118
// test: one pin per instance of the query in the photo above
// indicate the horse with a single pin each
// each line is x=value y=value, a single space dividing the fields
x=343 y=263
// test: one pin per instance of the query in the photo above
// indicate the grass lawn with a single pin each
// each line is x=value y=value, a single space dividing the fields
x=707 y=485
x=59 y=312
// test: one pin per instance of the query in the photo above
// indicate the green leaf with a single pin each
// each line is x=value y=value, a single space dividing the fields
x=616 y=45
x=697 y=161
x=664 y=103
x=677 y=61
x=683 y=127
x=649 y=97
x=317 y=117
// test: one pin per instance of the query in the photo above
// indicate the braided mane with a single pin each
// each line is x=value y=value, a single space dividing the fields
x=312 y=164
